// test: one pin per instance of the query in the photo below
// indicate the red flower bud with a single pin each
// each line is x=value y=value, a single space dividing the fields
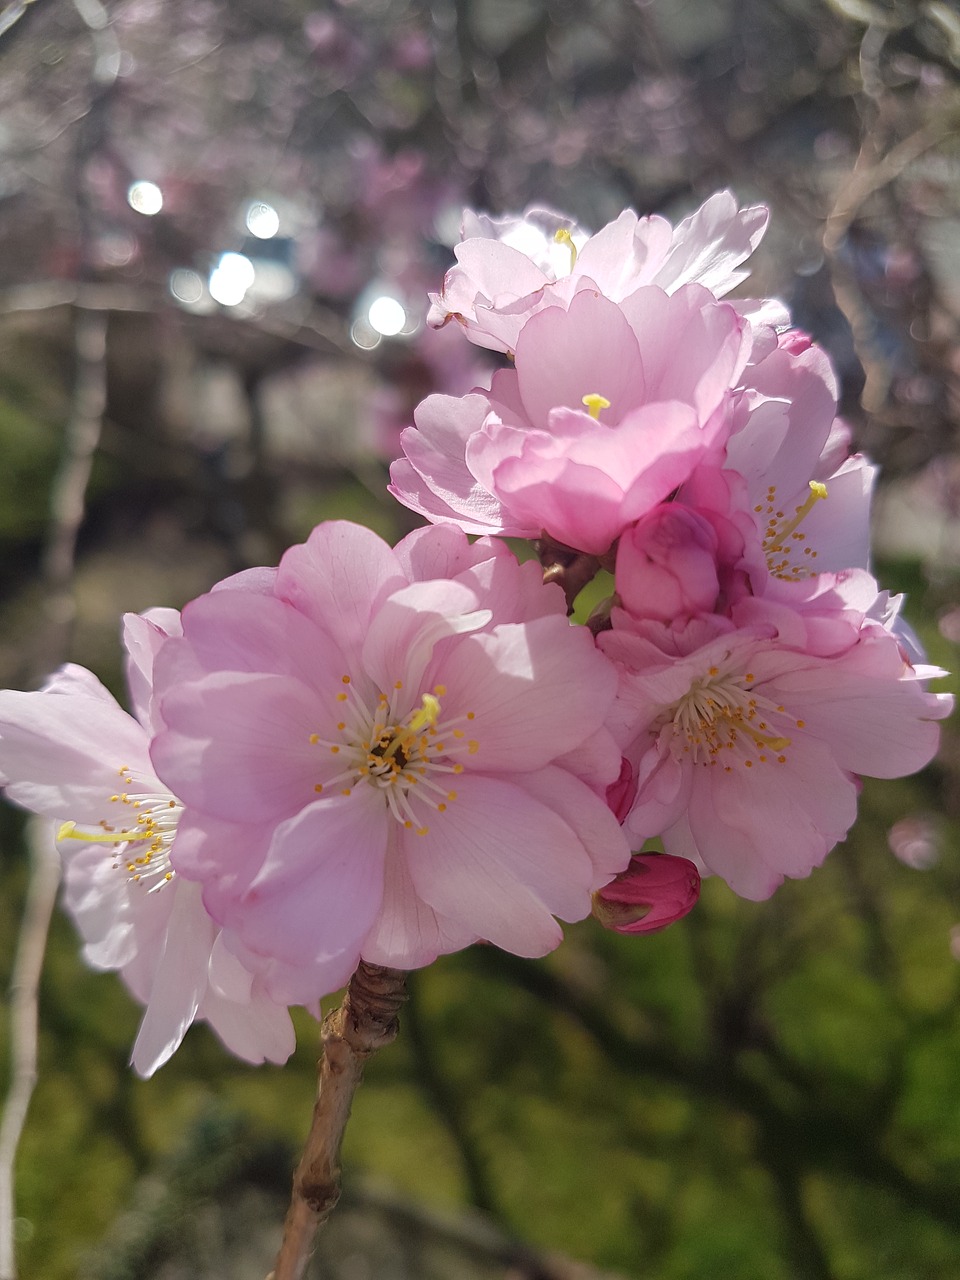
x=656 y=889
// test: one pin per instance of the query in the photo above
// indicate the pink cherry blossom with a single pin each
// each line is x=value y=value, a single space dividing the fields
x=510 y=268
x=71 y=753
x=609 y=407
x=655 y=891
x=747 y=745
x=388 y=756
x=667 y=565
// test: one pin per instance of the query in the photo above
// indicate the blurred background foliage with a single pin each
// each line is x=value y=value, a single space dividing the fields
x=218 y=224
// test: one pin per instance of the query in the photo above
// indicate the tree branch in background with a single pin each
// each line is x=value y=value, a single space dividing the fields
x=68 y=496
x=32 y=944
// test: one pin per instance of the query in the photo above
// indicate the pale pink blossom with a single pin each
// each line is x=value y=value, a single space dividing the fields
x=790 y=472
x=655 y=891
x=608 y=408
x=747 y=743
x=70 y=753
x=388 y=755
x=510 y=268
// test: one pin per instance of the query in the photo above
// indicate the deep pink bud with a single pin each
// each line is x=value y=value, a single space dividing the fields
x=796 y=341
x=667 y=565
x=656 y=889
x=622 y=793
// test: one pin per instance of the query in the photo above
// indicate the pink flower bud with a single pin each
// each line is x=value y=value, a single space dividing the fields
x=796 y=341
x=656 y=889
x=667 y=565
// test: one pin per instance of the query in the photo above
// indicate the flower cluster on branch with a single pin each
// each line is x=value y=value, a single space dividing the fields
x=384 y=755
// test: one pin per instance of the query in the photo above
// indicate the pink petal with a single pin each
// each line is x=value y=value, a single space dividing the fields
x=404 y=631
x=238 y=745
x=589 y=349
x=61 y=754
x=338 y=577
x=236 y=631
x=179 y=982
x=408 y=934
x=502 y=864
x=257 y=1031
x=535 y=691
x=585 y=813
x=321 y=884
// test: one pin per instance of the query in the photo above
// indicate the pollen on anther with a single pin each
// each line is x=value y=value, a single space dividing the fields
x=748 y=764
x=408 y=824
x=781 y=759
x=473 y=746
x=334 y=751
x=314 y=739
x=422 y=831
x=451 y=795
x=440 y=690
x=341 y=724
x=458 y=768
x=801 y=724
x=471 y=716
x=750 y=676
x=714 y=671
x=441 y=807
x=398 y=685
x=346 y=791
x=345 y=679
x=341 y=697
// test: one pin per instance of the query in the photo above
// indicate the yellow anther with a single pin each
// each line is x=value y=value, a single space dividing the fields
x=594 y=403
x=429 y=713
x=563 y=236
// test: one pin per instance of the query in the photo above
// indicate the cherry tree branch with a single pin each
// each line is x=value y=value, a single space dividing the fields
x=364 y=1023
x=24 y=986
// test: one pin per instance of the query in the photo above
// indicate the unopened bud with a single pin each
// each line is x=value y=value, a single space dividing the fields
x=656 y=890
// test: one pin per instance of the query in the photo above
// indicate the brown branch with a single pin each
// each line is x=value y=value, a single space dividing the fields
x=24 y=986
x=569 y=569
x=364 y=1023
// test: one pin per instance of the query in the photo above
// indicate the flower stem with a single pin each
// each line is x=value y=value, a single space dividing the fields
x=364 y=1023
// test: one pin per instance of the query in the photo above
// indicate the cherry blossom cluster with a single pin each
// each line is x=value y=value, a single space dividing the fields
x=388 y=754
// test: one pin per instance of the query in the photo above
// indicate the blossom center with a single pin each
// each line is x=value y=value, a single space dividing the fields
x=563 y=236
x=407 y=757
x=721 y=720
x=147 y=825
x=782 y=540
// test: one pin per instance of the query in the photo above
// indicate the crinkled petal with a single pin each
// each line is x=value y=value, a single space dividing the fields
x=534 y=692
x=237 y=744
x=503 y=865
x=338 y=578
x=408 y=934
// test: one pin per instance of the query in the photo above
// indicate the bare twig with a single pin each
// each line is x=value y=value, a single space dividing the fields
x=364 y=1023
x=41 y=896
x=67 y=500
